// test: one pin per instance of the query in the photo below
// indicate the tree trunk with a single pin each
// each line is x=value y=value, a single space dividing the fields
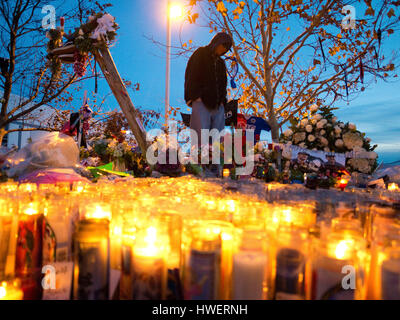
x=3 y=132
x=274 y=129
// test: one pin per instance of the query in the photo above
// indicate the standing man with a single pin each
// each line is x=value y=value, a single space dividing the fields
x=205 y=86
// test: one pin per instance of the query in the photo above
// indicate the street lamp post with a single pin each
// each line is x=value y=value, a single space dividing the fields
x=167 y=74
x=174 y=11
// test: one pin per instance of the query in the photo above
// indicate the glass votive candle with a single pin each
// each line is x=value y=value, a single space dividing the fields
x=11 y=290
x=335 y=255
x=250 y=265
x=289 y=273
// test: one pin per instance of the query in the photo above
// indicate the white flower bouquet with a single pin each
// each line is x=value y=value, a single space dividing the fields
x=321 y=130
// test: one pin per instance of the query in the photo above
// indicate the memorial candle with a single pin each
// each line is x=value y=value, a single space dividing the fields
x=28 y=259
x=250 y=266
x=337 y=254
x=202 y=272
x=6 y=222
x=149 y=277
x=291 y=264
x=390 y=275
x=11 y=290
x=92 y=254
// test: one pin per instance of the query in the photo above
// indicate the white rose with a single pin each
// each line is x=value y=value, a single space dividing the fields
x=322 y=132
x=351 y=140
x=314 y=107
x=298 y=137
x=320 y=124
x=317 y=117
x=303 y=122
x=309 y=128
x=288 y=133
x=311 y=138
x=324 y=141
x=341 y=125
x=337 y=129
x=352 y=126
x=339 y=143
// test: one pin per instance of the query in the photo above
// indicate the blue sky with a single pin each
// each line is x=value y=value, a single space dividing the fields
x=375 y=111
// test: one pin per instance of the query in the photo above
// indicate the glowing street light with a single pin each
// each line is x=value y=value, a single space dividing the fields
x=174 y=12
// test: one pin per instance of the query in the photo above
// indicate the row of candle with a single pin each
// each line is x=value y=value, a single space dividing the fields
x=191 y=239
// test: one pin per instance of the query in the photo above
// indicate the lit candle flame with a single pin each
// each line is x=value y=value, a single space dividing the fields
x=343 y=248
x=98 y=212
x=150 y=248
x=30 y=211
x=393 y=187
x=3 y=292
x=226 y=173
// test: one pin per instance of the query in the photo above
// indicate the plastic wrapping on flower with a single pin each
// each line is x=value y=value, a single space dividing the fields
x=53 y=150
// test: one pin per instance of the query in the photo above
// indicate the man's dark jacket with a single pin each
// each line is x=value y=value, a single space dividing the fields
x=205 y=75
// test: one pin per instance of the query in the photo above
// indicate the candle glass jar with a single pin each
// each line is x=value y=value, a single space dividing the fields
x=386 y=236
x=249 y=273
x=339 y=267
x=390 y=274
x=7 y=235
x=91 y=260
x=11 y=290
x=289 y=267
x=29 y=249
x=172 y=221
x=149 y=255
x=208 y=260
x=57 y=244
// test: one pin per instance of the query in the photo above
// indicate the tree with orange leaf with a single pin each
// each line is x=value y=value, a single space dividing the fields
x=296 y=53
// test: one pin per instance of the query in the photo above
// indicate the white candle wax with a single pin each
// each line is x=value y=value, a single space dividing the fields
x=248 y=275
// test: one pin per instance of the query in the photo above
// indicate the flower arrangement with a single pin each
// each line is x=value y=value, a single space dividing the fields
x=321 y=130
x=55 y=41
x=117 y=149
x=98 y=32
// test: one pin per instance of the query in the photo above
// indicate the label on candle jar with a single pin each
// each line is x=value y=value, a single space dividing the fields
x=49 y=244
x=148 y=278
x=93 y=271
x=28 y=260
x=248 y=275
x=290 y=275
x=126 y=273
x=328 y=278
x=174 y=289
x=62 y=280
x=204 y=279
x=5 y=233
x=391 y=280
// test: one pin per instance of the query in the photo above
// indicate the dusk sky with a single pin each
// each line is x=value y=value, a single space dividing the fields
x=375 y=111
